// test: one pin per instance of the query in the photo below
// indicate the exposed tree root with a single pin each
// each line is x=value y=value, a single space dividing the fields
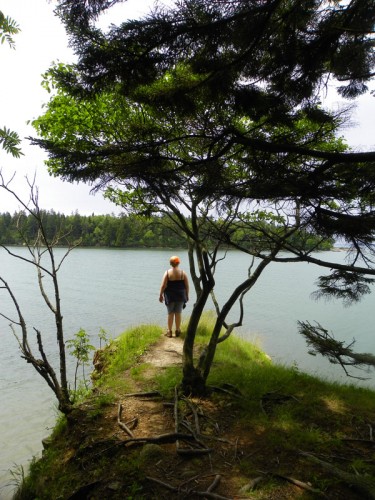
x=184 y=491
x=297 y=482
x=363 y=484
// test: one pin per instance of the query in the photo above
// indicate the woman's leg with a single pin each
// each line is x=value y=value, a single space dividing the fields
x=170 y=320
x=177 y=318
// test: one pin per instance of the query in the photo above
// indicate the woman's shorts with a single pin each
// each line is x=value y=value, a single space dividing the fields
x=175 y=307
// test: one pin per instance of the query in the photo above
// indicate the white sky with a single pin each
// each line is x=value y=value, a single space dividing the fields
x=42 y=41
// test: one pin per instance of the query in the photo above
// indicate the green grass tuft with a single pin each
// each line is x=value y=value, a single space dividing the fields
x=124 y=351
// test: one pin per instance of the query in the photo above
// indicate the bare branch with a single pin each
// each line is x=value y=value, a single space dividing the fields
x=320 y=341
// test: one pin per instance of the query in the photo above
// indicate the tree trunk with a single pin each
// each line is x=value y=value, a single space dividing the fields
x=192 y=379
x=207 y=360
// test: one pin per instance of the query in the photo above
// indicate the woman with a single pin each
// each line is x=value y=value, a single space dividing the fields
x=174 y=291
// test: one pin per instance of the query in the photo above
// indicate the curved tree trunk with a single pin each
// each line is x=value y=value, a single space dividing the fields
x=206 y=361
x=192 y=380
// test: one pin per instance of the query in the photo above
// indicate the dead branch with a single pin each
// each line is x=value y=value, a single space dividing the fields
x=143 y=394
x=123 y=426
x=252 y=484
x=161 y=439
x=320 y=341
x=300 y=484
x=132 y=424
x=363 y=484
x=215 y=483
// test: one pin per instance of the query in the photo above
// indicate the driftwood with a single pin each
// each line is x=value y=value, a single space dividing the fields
x=205 y=494
x=363 y=484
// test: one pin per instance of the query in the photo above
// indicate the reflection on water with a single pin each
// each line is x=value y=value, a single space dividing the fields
x=116 y=289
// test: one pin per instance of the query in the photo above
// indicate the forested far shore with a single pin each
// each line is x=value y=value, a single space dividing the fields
x=117 y=231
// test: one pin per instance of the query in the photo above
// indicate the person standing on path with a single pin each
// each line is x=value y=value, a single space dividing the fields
x=174 y=291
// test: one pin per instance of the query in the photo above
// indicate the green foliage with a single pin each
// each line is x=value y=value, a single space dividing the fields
x=128 y=347
x=8 y=27
x=60 y=426
x=18 y=480
x=80 y=348
x=97 y=405
x=103 y=337
x=9 y=141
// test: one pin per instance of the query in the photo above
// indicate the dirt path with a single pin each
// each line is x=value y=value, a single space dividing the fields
x=166 y=352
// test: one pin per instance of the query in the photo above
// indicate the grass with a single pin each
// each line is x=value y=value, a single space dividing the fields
x=280 y=412
x=129 y=346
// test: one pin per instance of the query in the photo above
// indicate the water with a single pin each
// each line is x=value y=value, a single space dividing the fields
x=117 y=289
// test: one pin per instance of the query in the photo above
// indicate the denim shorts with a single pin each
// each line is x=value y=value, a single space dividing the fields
x=175 y=307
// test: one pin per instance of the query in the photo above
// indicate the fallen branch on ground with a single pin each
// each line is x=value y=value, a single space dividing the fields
x=363 y=484
x=123 y=426
x=142 y=394
x=162 y=438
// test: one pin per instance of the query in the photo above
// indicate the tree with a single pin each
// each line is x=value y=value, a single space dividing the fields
x=213 y=107
x=206 y=235
x=9 y=140
x=40 y=255
x=80 y=348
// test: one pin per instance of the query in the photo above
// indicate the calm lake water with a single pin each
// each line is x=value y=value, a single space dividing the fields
x=117 y=289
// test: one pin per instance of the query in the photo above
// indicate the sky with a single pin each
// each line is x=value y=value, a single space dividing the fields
x=42 y=41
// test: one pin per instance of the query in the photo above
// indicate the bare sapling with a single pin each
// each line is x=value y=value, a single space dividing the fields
x=40 y=254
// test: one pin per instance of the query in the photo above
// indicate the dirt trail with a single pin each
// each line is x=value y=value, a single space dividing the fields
x=166 y=352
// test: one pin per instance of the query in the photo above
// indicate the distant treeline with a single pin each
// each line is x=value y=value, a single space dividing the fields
x=92 y=231
x=123 y=231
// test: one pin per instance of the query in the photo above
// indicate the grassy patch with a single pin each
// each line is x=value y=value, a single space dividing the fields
x=129 y=346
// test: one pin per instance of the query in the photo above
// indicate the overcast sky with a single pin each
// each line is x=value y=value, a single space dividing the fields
x=42 y=41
